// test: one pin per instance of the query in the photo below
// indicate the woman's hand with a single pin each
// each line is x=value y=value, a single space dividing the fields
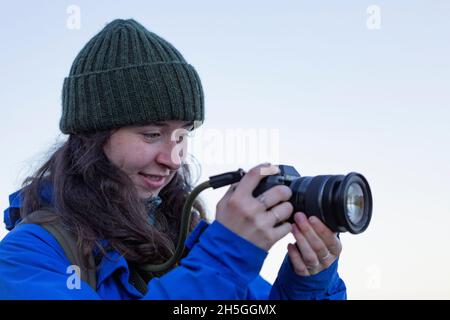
x=256 y=219
x=317 y=246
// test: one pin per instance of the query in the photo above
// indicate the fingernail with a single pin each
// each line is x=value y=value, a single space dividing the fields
x=301 y=217
x=313 y=219
x=269 y=170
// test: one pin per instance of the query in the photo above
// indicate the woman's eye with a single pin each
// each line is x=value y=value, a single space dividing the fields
x=151 y=135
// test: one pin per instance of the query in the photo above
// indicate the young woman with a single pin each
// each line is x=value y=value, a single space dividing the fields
x=118 y=185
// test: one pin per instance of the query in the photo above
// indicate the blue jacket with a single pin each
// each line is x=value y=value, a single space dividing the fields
x=219 y=265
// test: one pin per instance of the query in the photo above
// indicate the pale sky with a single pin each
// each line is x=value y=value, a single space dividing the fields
x=319 y=85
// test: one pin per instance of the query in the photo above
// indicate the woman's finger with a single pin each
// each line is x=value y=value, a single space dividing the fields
x=328 y=237
x=281 y=231
x=279 y=213
x=309 y=256
x=315 y=242
x=274 y=195
x=252 y=178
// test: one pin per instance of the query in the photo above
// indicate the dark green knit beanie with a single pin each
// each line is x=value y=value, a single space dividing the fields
x=127 y=75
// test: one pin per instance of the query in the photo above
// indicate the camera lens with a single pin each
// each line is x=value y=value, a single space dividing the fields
x=355 y=203
x=343 y=203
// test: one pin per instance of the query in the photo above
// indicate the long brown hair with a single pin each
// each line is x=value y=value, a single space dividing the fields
x=98 y=201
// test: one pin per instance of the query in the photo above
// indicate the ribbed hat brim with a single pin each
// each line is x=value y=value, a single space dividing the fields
x=134 y=94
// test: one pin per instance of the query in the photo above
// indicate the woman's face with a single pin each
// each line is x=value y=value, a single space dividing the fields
x=151 y=154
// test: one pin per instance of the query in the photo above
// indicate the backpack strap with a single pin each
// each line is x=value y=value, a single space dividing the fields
x=48 y=220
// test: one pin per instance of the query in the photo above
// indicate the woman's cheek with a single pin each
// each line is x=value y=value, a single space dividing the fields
x=141 y=157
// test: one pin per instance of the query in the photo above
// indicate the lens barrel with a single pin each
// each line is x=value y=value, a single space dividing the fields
x=342 y=202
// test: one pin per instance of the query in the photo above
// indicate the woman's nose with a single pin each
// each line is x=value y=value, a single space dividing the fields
x=170 y=156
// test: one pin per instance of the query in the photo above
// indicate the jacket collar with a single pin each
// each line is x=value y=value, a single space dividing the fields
x=11 y=215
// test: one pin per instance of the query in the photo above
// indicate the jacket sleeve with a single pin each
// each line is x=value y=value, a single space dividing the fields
x=220 y=265
x=33 y=266
x=325 y=285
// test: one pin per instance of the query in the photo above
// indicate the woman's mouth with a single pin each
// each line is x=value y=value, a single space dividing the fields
x=153 y=181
